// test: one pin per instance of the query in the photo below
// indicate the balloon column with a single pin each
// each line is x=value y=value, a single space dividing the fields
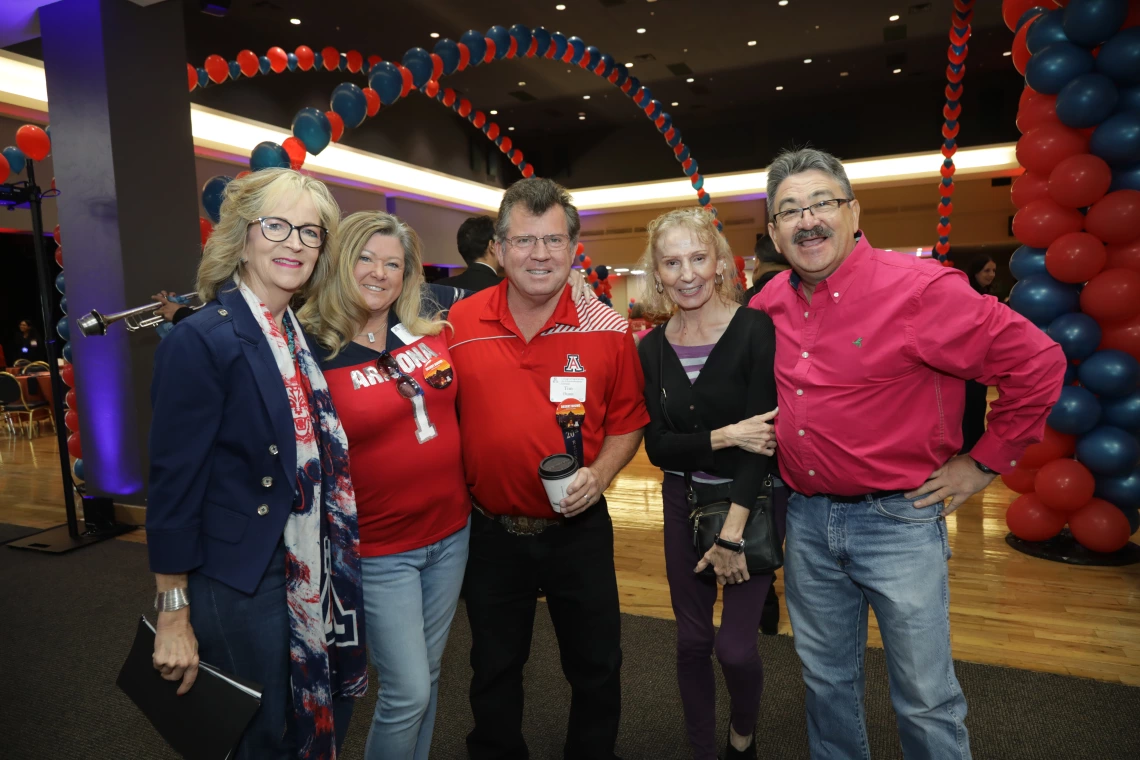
x=955 y=70
x=1078 y=269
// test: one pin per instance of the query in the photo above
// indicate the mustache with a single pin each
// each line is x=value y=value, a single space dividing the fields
x=817 y=231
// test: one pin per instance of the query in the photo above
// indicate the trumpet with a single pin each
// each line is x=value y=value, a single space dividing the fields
x=133 y=319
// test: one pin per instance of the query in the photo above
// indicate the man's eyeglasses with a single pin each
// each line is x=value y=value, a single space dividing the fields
x=405 y=384
x=277 y=230
x=822 y=210
x=556 y=242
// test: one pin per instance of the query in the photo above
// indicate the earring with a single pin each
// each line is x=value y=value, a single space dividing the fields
x=718 y=279
x=245 y=261
x=659 y=288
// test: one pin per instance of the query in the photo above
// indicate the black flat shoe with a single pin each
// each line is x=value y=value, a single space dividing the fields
x=732 y=753
x=770 y=615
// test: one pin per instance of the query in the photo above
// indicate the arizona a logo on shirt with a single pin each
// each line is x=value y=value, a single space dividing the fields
x=573 y=364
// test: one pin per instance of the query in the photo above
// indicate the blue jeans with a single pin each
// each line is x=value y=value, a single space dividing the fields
x=248 y=635
x=840 y=558
x=409 y=601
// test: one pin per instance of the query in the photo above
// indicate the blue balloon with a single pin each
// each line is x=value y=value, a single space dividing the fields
x=543 y=37
x=1123 y=412
x=15 y=157
x=681 y=158
x=312 y=127
x=235 y=70
x=502 y=39
x=522 y=35
x=634 y=85
x=203 y=78
x=1127 y=178
x=654 y=109
x=1086 y=101
x=60 y=284
x=1054 y=67
x=692 y=168
x=1045 y=31
x=266 y=155
x=349 y=103
x=1108 y=450
x=1070 y=374
x=1078 y=334
x=1129 y=100
x=66 y=353
x=1110 y=373
x=1122 y=490
x=418 y=61
x=63 y=328
x=1026 y=262
x=63 y=304
x=622 y=75
x=1117 y=140
x=448 y=52
x=675 y=139
x=578 y=49
x=1076 y=412
x=342 y=63
x=1032 y=13
x=264 y=65
x=476 y=43
x=212 y=194
x=388 y=82
x=1041 y=299
x=1091 y=22
x=291 y=61
x=559 y=41
x=645 y=98
x=1120 y=57
x=78 y=469
x=607 y=62
x=591 y=57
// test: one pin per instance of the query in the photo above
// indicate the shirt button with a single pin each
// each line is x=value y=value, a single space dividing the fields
x=812 y=473
x=801 y=432
x=273 y=449
x=804 y=354
x=267 y=482
x=1013 y=463
x=806 y=315
x=223 y=313
x=836 y=294
x=799 y=391
x=691 y=407
x=263 y=510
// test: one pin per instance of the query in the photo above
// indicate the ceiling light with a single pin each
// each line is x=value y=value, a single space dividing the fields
x=494 y=113
x=585 y=97
x=807 y=60
x=510 y=129
x=621 y=270
x=779 y=87
x=751 y=43
x=295 y=21
x=843 y=73
x=434 y=35
x=638 y=271
x=895 y=17
x=897 y=71
x=560 y=7
x=641 y=30
x=1006 y=53
x=675 y=103
x=581 y=118
x=690 y=79
x=522 y=84
x=629 y=65
x=782 y=3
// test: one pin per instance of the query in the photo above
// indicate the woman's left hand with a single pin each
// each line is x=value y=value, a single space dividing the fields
x=580 y=291
x=730 y=567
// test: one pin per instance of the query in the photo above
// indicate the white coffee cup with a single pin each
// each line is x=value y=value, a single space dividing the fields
x=557 y=473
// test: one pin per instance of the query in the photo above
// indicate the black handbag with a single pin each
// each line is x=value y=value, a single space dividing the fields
x=709 y=505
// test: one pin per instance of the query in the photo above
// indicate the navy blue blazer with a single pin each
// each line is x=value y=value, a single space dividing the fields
x=223 y=452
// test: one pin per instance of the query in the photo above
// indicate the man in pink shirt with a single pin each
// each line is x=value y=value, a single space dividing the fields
x=872 y=352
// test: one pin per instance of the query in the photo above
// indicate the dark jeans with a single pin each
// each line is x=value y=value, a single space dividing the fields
x=248 y=635
x=573 y=564
x=693 y=597
x=974 y=415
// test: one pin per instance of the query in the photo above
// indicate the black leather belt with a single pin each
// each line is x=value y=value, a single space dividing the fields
x=873 y=496
x=519 y=525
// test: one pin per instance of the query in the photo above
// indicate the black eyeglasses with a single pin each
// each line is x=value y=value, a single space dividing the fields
x=277 y=230
x=821 y=210
x=405 y=384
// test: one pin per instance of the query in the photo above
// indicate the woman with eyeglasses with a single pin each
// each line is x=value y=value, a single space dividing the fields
x=251 y=517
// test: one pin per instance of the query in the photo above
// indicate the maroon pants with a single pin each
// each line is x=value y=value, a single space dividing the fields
x=735 y=644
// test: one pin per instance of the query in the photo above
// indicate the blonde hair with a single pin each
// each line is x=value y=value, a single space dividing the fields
x=256 y=195
x=336 y=313
x=703 y=225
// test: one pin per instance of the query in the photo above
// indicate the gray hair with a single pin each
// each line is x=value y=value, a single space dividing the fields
x=792 y=162
x=537 y=196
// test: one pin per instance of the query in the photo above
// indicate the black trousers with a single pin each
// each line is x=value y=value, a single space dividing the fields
x=974 y=415
x=573 y=564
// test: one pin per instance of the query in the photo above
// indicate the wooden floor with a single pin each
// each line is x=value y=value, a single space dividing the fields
x=1006 y=608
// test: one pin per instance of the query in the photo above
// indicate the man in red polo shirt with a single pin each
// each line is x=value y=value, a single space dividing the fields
x=872 y=352
x=542 y=376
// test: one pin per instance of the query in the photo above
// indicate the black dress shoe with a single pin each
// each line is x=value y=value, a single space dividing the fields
x=770 y=615
x=732 y=753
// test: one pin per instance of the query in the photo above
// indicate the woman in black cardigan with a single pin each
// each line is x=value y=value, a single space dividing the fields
x=714 y=360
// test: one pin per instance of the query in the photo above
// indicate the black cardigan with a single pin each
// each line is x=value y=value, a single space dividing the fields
x=737 y=382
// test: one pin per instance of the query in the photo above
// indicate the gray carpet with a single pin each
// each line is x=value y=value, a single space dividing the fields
x=68 y=621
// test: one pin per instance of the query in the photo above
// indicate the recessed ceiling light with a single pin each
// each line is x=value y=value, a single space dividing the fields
x=295 y=21
x=434 y=35
x=675 y=103
x=895 y=17
x=690 y=79
x=1006 y=53
x=638 y=271
x=779 y=87
x=807 y=60
x=522 y=84
x=560 y=7
x=585 y=97
x=843 y=73
x=782 y=3
x=641 y=30
x=897 y=71
x=581 y=113
x=494 y=113
x=510 y=129
x=581 y=118
x=619 y=269
x=629 y=65
x=751 y=43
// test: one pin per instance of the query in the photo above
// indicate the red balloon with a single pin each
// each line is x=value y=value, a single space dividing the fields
x=191 y=77
x=1133 y=18
x=1042 y=221
x=75 y=446
x=1020 y=49
x=1123 y=336
x=587 y=262
x=337 y=125
x=373 y=99
x=1064 y=485
x=69 y=399
x=1112 y=296
x=296 y=150
x=1013 y=10
x=67 y=374
x=305 y=57
x=247 y=59
x=355 y=60
x=465 y=56
x=33 y=141
x=5 y=169
x=1037 y=110
x=330 y=56
x=59 y=257
x=1027 y=93
x=409 y=82
x=1100 y=526
x=1076 y=257
x=278 y=59
x=528 y=170
x=505 y=145
x=1043 y=147
x=71 y=420
x=217 y=69
x=592 y=277
x=1019 y=480
x=436 y=67
x=1124 y=256
x=1053 y=445
x=1030 y=520
x=1115 y=218
x=205 y=227
x=55 y=235
x=1079 y=181
x=241 y=174
x=1028 y=188
x=517 y=158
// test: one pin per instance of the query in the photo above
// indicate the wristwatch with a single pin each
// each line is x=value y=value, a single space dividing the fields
x=730 y=545
x=983 y=468
x=172 y=600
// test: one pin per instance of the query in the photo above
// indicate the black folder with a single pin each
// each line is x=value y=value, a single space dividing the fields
x=206 y=722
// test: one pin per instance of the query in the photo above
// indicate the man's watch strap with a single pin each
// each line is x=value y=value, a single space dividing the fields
x=730 y=545
x=172 y=600
x=983 y=468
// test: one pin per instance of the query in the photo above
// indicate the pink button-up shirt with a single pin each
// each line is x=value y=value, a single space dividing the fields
x=870 y=374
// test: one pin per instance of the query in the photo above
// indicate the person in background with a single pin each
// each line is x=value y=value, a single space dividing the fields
x=543 y=374
x=170 y=309
x=769 y=263
x=28 y=343
x=872 y=350
x=982 y=271
x=723 y=400
x=476 y=241
x=379 y=332
x=251 y=517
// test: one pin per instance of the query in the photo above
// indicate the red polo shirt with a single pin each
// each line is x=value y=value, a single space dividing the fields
x=507 y=420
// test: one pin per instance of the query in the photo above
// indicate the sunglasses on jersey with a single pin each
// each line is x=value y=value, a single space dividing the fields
x=405 y=384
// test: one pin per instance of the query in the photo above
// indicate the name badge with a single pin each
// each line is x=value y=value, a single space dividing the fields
x=405 y=335
x=562 y=388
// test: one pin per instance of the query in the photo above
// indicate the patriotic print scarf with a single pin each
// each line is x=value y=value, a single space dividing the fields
x=322 y=542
